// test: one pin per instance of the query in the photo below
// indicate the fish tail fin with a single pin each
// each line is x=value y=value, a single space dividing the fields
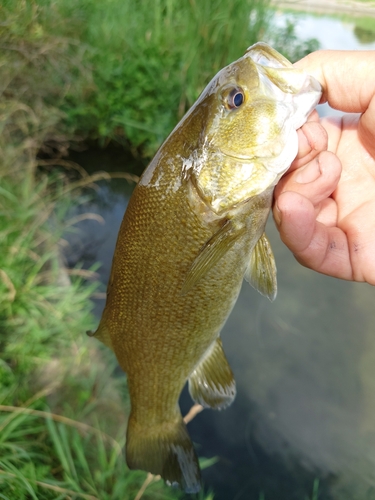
x=164 y=450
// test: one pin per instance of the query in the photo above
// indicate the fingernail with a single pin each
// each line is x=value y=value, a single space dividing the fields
x=308 y=173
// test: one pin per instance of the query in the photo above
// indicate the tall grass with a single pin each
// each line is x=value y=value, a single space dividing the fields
x=47 y=456
x=111 y=70
x=62 y=413
x=151 y=60
x=129 y=70
x=46 y=361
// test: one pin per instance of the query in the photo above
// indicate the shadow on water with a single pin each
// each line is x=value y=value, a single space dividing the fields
x=304 y=365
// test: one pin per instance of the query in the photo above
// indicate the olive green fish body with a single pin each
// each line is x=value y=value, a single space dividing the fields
x=158 y=333
x=193 y=229
x=146 y=303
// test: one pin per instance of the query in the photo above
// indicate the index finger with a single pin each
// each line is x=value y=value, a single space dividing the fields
x=348 y=81
x=347 y=77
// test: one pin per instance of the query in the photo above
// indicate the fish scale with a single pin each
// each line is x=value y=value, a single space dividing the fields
x=193 y=229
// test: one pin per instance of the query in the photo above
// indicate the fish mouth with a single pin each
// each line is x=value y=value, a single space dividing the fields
x=263 y=54
x=279 y=76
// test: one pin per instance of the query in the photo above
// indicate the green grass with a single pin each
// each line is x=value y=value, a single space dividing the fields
x=47 y=363
x=48 y=456
x=62 y=412
x=148 y=72
x=128 y=73
x=72 y=70
x=151 y=62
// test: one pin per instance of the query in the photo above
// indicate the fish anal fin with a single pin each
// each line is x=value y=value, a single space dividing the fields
x=165 y=450
x=212 y=383
x=102 y=334
x=261 y=271
x=210 y=254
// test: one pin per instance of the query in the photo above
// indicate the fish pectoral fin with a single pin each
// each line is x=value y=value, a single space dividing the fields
x=261 y=271
x=165 y=450
x=102 y=334
x=211 y=252
x=212 y=383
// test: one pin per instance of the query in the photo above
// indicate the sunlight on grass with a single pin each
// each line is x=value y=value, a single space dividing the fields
x=72 y=71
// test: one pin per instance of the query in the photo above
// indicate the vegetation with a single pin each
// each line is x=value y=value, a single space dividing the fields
x=62 y=416
x=72 y=70
x=148 y=64
x=130 y=74
x=157 y=72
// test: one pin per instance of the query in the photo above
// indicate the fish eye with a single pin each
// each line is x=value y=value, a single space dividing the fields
x=235 y=98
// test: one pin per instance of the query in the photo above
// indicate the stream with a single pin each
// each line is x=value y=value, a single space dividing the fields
x=304 y=417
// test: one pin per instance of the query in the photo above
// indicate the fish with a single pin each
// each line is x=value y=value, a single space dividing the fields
x=192 y=231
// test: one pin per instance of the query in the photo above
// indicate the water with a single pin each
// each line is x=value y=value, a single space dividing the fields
x=304 y=365
x=333 y=34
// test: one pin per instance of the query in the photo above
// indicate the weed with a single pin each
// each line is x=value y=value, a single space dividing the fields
x=110 y=70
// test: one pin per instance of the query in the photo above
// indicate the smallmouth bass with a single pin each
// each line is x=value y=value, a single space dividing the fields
x=193 y=229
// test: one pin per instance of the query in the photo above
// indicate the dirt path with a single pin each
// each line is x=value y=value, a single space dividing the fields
x=330 y=6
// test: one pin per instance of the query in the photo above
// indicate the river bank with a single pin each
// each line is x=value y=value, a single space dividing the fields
x=72 y=72
x=353 y=8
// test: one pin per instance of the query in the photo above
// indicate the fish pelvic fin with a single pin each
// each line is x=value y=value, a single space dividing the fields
x=261 y=271
x=165 y=450
x=102 y=334
x=212 y=383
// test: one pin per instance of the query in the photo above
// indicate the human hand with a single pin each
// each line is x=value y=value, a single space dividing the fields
x=328 y=220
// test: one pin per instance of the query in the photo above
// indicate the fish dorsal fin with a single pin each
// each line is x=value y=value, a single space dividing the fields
x=211 y=252
x=261 y=271
x=102 y=334
x=212 y=383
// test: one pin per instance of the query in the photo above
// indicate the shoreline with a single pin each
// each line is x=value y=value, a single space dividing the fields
x=328 y=7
